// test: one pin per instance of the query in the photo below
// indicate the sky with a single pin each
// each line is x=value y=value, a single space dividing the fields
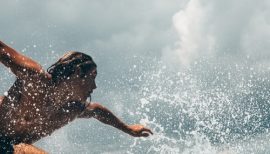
x=187 y=29
x=115 y=28
x=209 y=28
x=126 y=36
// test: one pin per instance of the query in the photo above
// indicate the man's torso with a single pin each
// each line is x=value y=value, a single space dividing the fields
x=31 y=109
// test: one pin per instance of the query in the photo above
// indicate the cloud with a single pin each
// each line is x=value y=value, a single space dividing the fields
x=130 y=28
x=209 y=28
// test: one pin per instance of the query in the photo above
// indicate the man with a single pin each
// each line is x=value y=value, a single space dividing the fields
x=40 y=102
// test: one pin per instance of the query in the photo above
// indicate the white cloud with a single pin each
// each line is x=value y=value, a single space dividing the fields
x=211 y=28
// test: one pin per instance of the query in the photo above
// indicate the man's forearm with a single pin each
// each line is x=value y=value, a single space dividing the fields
x=6 y=51
x=4 y=54
x=106 y=116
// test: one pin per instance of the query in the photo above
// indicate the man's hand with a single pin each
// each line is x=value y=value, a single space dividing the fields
x=139 y=131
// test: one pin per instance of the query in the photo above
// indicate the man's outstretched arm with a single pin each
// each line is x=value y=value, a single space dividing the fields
x=106 y=116
x=17 y=62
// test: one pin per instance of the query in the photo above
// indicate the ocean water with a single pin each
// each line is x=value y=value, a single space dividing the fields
x=214 y=106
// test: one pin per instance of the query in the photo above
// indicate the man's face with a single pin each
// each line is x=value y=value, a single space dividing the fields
x=89 y=84
x=92 y=82
x=81 y=87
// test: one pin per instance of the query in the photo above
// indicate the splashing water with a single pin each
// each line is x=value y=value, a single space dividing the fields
x=211 y=107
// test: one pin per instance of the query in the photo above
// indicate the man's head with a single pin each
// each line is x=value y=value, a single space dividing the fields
x=69 y=64
x=77 y=70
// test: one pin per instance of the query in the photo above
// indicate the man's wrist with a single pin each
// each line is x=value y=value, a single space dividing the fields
x=126 y=128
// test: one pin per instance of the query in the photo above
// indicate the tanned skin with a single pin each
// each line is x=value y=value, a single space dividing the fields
x=34 y=107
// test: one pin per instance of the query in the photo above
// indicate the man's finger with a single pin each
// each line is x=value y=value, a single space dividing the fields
x=145 y=134
x=148 y=130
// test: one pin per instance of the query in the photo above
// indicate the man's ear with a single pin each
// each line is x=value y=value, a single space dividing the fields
x=79 y=71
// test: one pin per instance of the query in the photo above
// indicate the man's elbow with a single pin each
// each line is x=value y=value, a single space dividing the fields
x=95 y=107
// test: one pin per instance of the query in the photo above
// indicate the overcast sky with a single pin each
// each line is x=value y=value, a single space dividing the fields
x=102 y=28
x=177 y=30
x=215 y=28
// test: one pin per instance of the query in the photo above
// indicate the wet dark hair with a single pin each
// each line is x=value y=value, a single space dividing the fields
x=68 y=64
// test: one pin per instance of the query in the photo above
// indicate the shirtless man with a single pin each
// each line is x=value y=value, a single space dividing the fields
x=39 y=102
